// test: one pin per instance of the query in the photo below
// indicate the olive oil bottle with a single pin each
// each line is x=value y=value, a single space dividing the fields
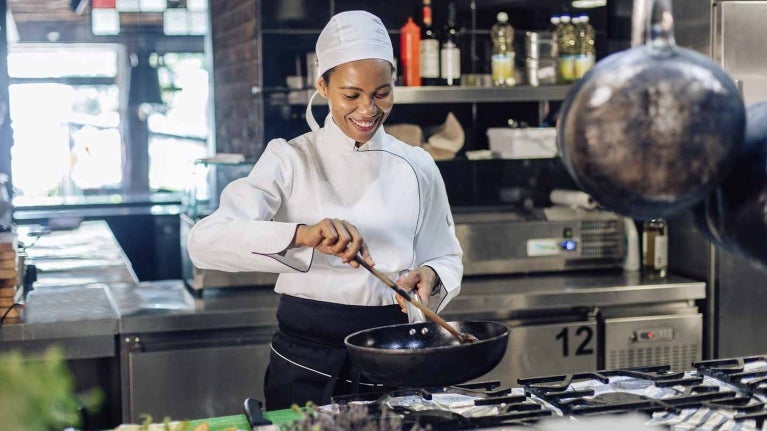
x=655 y=248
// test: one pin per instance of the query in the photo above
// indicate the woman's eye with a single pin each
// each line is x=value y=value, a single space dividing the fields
x=351 y=96
x=383 y=95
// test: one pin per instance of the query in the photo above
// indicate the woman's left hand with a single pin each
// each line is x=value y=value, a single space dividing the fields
x=423 y=279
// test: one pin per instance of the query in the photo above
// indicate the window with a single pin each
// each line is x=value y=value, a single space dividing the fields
x=68 y=107
x=178 y=134
x=65 y=115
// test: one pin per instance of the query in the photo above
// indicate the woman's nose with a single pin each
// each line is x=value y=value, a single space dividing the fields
x=368 y=106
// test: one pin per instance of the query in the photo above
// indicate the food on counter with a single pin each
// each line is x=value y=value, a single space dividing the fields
x=168 y=425
x=172 y=426
x=147 y=424
x=352 y=417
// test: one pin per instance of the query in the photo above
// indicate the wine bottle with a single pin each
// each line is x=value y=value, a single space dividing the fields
x=429 y=48
x=450 y=54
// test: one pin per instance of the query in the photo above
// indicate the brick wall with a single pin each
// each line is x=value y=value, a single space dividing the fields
x=235 y=46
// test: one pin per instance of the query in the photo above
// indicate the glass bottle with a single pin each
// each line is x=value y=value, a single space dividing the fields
x=655 y=248
x=502 y=62
x=586 y=56
x=429 y=48
x=566 y=39
x=450 y=54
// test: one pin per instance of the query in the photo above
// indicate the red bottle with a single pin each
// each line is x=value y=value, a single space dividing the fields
x=410 y=52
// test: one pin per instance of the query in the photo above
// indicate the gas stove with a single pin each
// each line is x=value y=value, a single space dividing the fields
x=725 y=394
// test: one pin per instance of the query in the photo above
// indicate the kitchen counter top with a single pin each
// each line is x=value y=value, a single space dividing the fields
x=498 y=297
x=103 y=298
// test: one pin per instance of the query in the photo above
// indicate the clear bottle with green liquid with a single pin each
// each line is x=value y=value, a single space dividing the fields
x=566 y=44
x=502 y=61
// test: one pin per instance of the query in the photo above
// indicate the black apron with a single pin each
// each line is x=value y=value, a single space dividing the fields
x=308 y=360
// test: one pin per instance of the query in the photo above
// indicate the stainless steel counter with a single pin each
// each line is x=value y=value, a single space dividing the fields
x=108 y=301
x=168 y=306
x=501 y=297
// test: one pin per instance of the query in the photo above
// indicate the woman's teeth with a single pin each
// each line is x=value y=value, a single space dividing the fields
x=364 y=124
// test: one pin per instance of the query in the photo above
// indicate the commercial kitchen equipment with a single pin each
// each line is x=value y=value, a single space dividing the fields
x=557 y=238
x=552 y=331
x=717 y=394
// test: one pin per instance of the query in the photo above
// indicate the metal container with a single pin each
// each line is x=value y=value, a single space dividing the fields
x=541 y=71
x=540 y=44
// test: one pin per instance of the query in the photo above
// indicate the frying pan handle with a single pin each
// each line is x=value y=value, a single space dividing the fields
x=414 y=314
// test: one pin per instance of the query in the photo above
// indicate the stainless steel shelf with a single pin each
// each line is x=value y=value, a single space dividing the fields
x=416 y=95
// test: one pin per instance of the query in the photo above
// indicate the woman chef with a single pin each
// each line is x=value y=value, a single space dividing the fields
x=311 y=204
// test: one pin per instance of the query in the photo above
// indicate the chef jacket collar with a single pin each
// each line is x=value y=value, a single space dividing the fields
x=338 y=140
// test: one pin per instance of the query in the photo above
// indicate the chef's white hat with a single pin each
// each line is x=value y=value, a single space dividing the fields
x=350 y=36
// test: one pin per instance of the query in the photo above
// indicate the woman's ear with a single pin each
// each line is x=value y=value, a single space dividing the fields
x=322 y=87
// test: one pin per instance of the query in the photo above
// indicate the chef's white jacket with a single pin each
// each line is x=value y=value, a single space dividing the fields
x=392 y=192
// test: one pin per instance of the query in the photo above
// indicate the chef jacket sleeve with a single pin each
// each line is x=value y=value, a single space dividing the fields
x=241 y=235
x=436 y=244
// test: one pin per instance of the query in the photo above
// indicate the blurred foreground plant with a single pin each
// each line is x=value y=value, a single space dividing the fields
x=37 y=393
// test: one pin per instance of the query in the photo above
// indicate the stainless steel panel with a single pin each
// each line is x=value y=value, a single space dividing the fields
x=198 y=278
x=195 y=383
x=653 y=340
x=500 y=297
x=692 y=24
x=739 y=45
x=741 y=304
x=538 y=350
x=506 y=243
x=73 y=348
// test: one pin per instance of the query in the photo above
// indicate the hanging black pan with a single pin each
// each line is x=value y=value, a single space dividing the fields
x=650 y=131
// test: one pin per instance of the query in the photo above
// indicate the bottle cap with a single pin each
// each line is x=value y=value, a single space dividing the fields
x=502 y=17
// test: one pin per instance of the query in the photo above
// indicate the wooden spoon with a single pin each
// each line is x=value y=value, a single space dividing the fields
x=461 y=336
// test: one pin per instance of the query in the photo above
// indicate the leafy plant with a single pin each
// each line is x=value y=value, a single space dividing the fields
x=37 y=394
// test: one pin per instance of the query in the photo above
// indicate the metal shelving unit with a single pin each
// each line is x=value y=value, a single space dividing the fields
x=417 y=95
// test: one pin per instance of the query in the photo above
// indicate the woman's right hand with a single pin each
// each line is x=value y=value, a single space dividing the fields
x=335 y=237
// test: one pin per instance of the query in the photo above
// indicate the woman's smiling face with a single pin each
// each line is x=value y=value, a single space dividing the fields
x=360 y=94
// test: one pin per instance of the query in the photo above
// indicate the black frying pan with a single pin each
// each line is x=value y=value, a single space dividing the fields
x=650 y=131
x=425 y=354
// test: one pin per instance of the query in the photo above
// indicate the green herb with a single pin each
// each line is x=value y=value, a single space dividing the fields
x=38 y=393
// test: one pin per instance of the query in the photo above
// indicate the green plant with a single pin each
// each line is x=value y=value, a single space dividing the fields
x=38 y=393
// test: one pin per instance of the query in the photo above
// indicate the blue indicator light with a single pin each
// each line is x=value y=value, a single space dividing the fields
x=568 y=245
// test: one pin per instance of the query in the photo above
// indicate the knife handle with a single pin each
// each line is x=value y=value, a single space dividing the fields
x=254 y=413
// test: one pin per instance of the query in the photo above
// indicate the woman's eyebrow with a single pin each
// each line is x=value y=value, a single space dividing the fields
x=351 y=87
